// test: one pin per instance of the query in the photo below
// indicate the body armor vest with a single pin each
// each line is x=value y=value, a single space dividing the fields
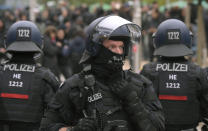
x=177 y=90
x=107 y=109
x=20 y=93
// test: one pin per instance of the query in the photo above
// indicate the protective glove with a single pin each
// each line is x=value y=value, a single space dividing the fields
x=125 y=90
x=85 y=124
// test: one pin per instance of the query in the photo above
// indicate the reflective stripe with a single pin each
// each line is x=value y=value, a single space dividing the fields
x=16 y=96
x=171 y=97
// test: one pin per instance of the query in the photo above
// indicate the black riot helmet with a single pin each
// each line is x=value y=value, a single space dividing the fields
x=172 y=39
x=110 y=27
x=23 y=36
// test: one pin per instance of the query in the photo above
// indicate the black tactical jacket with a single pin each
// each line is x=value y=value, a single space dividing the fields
x=25 y=91
x=71 y=101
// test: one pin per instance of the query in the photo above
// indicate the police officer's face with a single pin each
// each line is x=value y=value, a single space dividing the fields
x=114 y=46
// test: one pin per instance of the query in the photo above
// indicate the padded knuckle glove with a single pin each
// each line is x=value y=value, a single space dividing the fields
x=124 y=90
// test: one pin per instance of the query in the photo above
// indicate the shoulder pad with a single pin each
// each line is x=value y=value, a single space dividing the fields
x=49 y=77
x=139 y=77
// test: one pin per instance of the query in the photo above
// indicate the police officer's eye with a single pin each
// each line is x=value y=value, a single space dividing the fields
x=111 y=47
x=121 y=47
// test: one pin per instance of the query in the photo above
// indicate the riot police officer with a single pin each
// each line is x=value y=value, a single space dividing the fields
x=180 y=84
x=25 y=88
x=103 y=97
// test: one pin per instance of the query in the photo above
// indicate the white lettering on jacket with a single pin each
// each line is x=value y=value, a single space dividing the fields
x=95 y=97
x=172 y=67
x=21 y=67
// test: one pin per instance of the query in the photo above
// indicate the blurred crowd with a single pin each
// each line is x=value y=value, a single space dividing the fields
x=64 y=30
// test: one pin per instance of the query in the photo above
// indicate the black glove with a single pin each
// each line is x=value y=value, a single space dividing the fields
x=125 y=90
x=85 y=124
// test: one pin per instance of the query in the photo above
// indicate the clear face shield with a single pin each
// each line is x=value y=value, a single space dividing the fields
x=116 y=26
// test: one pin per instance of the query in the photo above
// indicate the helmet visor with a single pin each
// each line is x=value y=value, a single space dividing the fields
x=116 y=26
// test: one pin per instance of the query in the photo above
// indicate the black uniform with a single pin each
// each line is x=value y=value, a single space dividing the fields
x=75 y=98
x=25 y=88
x=25 y=91
x=182 y=89
x=103 y=97
x=180 y=84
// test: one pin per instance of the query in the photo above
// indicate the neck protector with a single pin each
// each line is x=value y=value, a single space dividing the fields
x=107 y=62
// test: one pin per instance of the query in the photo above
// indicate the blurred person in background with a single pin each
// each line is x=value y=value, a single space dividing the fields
x=55 y=20
x=153 y=23
x=63 y=55
x=9 y=17
x=155 y=5
x=2 y=35
x=2 y=31
x=23 y=16
x=194 y=29
x=166 y=14
x=68 y=29
x=145 y=26
x=79 y=22
x=206 y=27
x=176 y=13
x=87 y=16
x=51 y=50
x=64 y=15
x=43 y=19
x=76 y=48
x=126 y=11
